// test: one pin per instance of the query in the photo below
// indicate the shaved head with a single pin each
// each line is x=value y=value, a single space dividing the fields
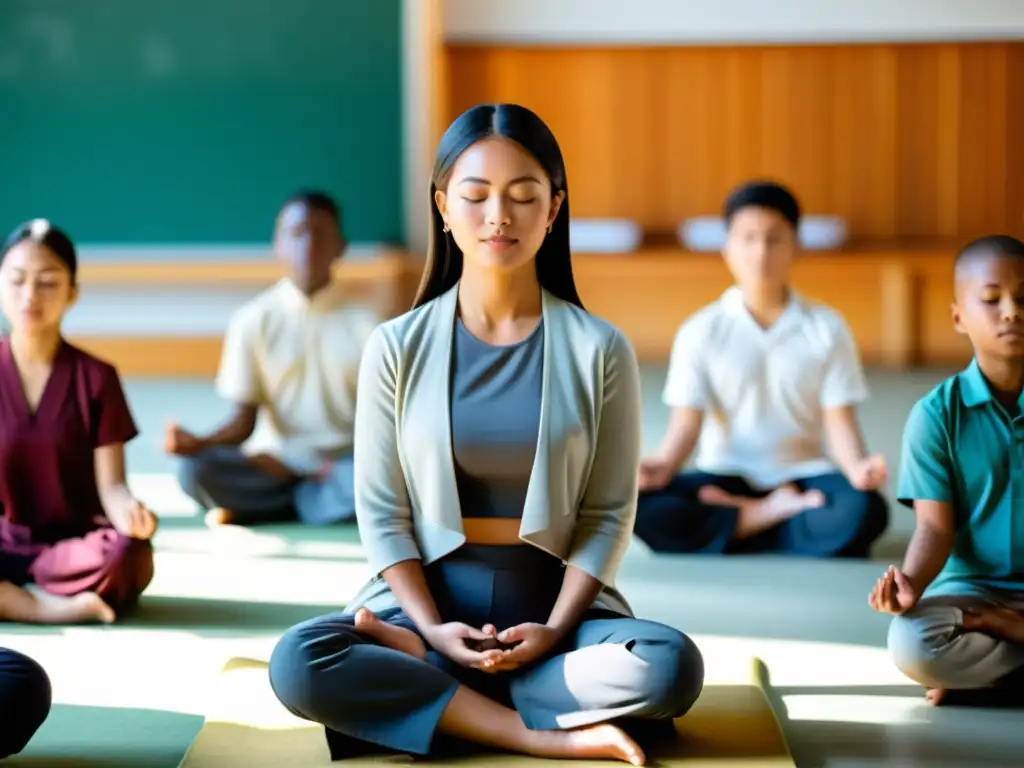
x=988 y=305
x=988 y=247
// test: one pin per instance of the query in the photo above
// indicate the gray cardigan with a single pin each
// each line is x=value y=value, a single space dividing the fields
x=581 y=500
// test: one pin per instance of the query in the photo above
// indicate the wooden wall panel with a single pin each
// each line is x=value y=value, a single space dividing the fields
x=905 y=141
x=1012 y=171
x=896 y=303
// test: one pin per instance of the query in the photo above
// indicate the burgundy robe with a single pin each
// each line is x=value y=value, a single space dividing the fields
x=54 y=531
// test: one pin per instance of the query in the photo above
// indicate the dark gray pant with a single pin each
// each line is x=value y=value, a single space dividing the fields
x=25 y=699
x=611 y=667
x=224 y=477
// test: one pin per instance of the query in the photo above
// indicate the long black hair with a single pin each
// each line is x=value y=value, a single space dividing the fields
x=443 y=267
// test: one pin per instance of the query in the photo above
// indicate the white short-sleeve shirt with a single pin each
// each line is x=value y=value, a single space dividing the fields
x=297 y=359
x=764 y=391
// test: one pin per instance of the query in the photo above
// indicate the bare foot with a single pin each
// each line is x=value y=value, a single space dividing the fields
x=86 y=608
x=714 y=496
x=396 y=638
x=593 y=742
x=934 y=696
x=218 y=516
x=788 y=499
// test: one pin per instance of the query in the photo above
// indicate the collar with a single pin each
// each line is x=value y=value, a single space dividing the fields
x=732 y=302
x=974 y=389
x=330 y=297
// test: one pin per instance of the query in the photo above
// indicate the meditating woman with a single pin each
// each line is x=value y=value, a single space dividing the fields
x=497 y=439
x=70 y=526
x=25 y=698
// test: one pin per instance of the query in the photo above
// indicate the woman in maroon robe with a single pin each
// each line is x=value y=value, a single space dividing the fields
x=71 y=530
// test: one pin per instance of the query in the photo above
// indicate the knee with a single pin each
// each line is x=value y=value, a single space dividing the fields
x=865 y=511
x=674 y=673
x=860 y=517
x=130 y=570
x=25 y=699
x=873 y=514
x=918 y=647
x=194 y=472
x=297 y=666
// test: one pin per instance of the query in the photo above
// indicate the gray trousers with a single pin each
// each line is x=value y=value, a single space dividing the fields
x=224 y=477
x=929 y=645
x=366 y=695
x=611 y=667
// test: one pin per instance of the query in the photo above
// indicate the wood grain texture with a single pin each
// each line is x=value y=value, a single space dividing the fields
x=896 y=303
x=903 y=140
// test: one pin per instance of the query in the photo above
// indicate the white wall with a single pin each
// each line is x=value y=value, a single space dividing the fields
x=730 y=21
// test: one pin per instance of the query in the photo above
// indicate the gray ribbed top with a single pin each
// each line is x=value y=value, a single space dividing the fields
x=495 y=413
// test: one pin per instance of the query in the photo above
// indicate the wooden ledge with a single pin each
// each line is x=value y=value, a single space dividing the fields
x=387 y=266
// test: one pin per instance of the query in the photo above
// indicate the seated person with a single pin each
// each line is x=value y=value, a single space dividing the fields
x=959 y=596
x=70 y=525
x=290 y=365
x=493 y=618
x=757 y=378
x=25 y=698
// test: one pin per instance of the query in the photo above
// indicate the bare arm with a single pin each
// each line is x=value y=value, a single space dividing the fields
x=681 y=436
x=843 y=388
x=687 y=392
x=111 y=482
x=236 y=429
x=845 y=440
x=409 y=585
x=578 y=593
x=927 y=484
x=239 y=380
x=931 y=543
x=120 y=506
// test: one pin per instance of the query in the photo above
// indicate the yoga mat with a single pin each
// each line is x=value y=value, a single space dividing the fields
x=731 y=726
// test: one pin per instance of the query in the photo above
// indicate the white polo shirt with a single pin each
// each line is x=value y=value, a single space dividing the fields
x=298 y=360
x=764 y=391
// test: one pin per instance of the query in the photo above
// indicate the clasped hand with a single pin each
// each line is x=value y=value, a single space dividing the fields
x=489 y=650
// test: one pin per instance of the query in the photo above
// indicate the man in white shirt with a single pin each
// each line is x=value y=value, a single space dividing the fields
x=289 y=366
x=756 y=381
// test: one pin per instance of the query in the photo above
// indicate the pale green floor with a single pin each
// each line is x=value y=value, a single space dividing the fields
x=132 y=695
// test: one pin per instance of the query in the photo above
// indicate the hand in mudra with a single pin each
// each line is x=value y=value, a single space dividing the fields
x=462 y=644
x=893 y=593
x=518 y=646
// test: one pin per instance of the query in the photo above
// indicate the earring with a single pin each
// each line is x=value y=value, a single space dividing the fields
x=446 y=227
x=551 y=226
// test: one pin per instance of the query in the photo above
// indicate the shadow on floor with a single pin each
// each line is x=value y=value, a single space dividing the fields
x=213 y=618
x=93 y=737
x=954 y=736
x=822 y=744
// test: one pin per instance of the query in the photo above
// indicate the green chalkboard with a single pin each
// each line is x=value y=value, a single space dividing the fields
x=183 y=122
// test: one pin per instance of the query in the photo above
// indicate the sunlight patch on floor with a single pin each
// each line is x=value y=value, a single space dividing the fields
x=112 y=667
x=799 y=663
x=863 y=709
x=233 y=576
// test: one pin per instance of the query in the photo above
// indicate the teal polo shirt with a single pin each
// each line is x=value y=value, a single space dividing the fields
x=962 y=447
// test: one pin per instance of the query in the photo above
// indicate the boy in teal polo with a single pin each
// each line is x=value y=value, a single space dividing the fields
x=959 y=597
